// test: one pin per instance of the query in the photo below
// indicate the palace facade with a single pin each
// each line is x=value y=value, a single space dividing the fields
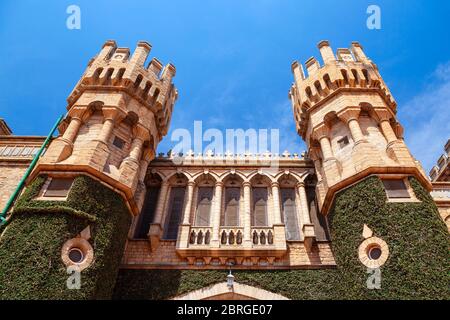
x=287 y=226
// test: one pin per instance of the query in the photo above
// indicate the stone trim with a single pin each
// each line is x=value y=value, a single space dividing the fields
x=222 y=288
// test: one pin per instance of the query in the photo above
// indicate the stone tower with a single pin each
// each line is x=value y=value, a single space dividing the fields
x=117 y=114
x=347 y=116
x=68 y=230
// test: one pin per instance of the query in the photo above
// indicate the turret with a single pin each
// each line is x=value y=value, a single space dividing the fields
x=347 y=116
x=116 y=115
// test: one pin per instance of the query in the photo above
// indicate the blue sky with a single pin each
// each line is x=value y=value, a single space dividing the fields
x=232 y=57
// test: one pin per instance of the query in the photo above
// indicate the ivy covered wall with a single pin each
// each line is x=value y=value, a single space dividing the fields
x=30 y=247
x=417 y=267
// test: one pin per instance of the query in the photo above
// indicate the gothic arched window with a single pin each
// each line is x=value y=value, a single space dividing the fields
x=289 y=211
x=203 y=212
x=230 y=217
x=174 y=213
x=259 y=212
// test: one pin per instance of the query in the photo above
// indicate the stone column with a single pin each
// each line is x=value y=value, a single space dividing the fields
x=72 y=130
x=62 y=147
x=184 y=229
x=247 y=215
x=383 y=116
x=304 y=203
x=321 y=134
x=308 y=227
x=188 y=207
x=387 y=130
x=129 y=168
x=111 y=117
x=350 y=116
x=216 y=212
x=155 y=230
x=276 y=203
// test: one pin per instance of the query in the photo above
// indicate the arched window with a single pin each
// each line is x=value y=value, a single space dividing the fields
x=230 y=216
x=203 y=212
x=147 y=213
x=259 y=212
x=174 y=213
x=289 y=211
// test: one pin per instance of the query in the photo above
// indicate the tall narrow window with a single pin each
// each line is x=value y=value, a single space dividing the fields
x=230 y=217
x=259 y=218
x=290 y=213
x=174 y=213
x=204 y=200
x=147 y=213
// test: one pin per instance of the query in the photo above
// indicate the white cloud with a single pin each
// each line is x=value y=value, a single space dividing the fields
x=426 y=118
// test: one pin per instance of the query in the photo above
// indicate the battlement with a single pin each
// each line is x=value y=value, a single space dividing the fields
x=229 y=158
x=349 y=69
x=115 y=69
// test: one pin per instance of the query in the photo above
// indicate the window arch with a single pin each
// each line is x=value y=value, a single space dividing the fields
x=204 y=204
x=289 y=211
x=232 y=202
x=175 y=206
x=153 y=184
x=260 y=199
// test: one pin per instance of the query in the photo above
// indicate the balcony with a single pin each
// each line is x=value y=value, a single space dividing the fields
x=195 y=241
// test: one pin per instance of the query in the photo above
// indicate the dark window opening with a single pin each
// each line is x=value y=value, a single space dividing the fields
x=396 y=189
x=259 y=218
x=174 y=213
x=58 y=187
x=204 y=201
x=289 y=211
x=230 y=217
x=343 y=142
x=118 y=142
x=147 y=213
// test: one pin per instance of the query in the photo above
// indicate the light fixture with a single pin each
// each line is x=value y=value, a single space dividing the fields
x=230 y=280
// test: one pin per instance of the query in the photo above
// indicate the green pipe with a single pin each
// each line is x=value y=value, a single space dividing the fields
x=27 y=173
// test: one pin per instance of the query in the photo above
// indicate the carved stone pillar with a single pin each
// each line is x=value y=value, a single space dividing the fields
x=247 y=215
x=112 y=116
x=156 y=228
x=216 y=212
x=308 y=227
x=62 y=147
x=396 y=148
x=189 y=200
x=331 y=166
x=276 y=203
x=350 y=116
x=184 y=229
x=129 y=168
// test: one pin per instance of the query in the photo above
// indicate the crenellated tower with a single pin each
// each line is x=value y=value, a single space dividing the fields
x=117 y=114
x=74 y=216
x=347 y=116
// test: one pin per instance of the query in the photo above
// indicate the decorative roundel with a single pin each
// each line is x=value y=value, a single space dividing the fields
x=373 y=252
x=77 y=251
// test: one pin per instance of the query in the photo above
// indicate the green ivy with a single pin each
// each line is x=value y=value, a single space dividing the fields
x=417 y=267
x=165 y=284
x=30 y=247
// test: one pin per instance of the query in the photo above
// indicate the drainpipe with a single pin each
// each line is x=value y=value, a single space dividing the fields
x=19 y=187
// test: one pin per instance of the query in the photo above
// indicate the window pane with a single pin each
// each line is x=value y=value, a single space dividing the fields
x=230 y=217
x=204 y=200
x=289 y=210
x=147 y=213
x=16 y=151
x=259 y=207
x=396 y=189
x=174 y=213
x=58 y=187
